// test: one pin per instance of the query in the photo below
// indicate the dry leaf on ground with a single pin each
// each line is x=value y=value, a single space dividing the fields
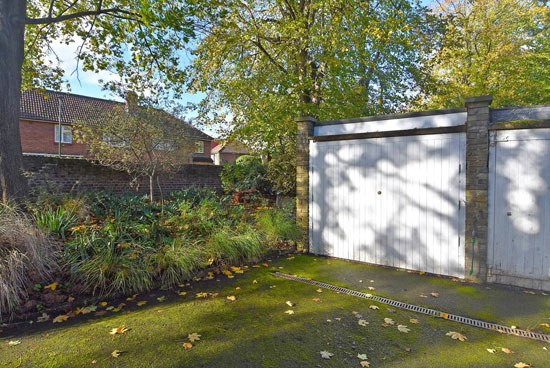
x=362 y=322
x=325 y=354
x=142 y=303
x=316 y=299
x=289 y=311
x=521 y=365
x=403 y=328
x=232 y=298
x=116 y=353
x=364 y=363
x=456 y=336
x=187 y=345
x=61 y=318
x=52 y=286
x=194 y=337
x=119 y=330
x=374 y=307
x=435 y=295
x=413 y=320
x=389 y=321
x=362 y=356
x=507 y=351
x=14 y=342
x=290 y=304
x=492 y=351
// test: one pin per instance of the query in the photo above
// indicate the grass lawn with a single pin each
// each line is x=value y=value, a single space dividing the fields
x=255 y=331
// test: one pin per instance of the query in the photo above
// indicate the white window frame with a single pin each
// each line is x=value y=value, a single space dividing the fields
x=66 y=134
x=199 y=147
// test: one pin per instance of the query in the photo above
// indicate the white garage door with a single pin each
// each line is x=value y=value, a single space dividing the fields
x=392 y=201
x=519 y=208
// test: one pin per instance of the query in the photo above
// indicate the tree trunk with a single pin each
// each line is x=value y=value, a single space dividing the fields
x=13 y=185
x=151 y=186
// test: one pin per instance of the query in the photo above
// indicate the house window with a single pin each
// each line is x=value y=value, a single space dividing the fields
x=199 y=147
x=66 y=134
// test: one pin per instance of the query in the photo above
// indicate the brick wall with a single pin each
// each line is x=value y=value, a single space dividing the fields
x=66 y=174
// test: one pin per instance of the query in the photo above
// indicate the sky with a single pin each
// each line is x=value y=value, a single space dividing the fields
x=88 y=83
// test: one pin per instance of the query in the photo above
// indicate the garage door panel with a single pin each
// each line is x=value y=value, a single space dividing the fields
x=393 y=201
x=519 y=206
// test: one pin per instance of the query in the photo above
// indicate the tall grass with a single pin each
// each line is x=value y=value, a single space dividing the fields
x=56 y=222
x=26 y=256
x=278 y=226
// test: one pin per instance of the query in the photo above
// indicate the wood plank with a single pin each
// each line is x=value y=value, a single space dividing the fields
x=520 y=113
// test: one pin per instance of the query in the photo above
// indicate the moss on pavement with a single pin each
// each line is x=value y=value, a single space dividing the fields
x=255 y=331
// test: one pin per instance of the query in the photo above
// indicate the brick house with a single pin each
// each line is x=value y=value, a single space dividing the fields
x=228 y=152
x=39 y=125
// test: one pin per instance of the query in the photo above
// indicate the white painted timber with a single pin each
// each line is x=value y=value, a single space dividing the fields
x=419 y=122
x=395 y=201
x=519 y=208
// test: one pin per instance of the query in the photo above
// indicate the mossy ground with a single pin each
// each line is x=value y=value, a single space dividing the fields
x=255 y=331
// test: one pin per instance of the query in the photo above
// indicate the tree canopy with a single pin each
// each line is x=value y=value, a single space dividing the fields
x=491 y=47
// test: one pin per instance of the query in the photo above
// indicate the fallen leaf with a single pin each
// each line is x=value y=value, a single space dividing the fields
x=14 y=342
x=413 y=320
x=161 y=298
x=70 y=299
x=238 y=288
x=119 y=330
x=110 y=308
x=372 y=288
x=456 y=336
x=362 y=356
x=364 y=363
x=202 y=295
x=492 y=351
x=444 y=315
x=325 y=354
x=547 y=325
x=43 y=318
x=52 y=286
x=374 y=307
x=389 y=321
x=290 y=304
x=194 y=337
x=213 y=295
x=94 y=361
x=182 y=293
x=142 y=303
x=507 y=351
x=92 y=308
x=61 y=318
x=403 y=328
x=362 y=322
x=131 y=297
x=265 y=265
x=360 y=280
x=116 y=353
x=435 y=295
x=319 y=290
x=103 y=304
x=316 y=299
x=232 y=298
x=187 y=345
x=254 y=282
x=227 y=273
x=423 y=296
x=290 y=311
x=521 y=365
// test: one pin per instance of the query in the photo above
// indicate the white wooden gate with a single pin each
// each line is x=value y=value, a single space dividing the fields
x=395 y=201
x=519 y=208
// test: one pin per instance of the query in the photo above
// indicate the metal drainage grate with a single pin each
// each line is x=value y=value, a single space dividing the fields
x=417 y=309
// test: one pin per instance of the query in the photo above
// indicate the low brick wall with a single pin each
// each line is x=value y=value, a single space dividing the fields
x=80 y=175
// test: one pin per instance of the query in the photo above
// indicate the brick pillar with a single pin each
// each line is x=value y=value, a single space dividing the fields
x=305 y=130
x=477 y=187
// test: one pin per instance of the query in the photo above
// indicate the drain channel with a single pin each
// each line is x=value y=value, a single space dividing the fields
x=417 y=309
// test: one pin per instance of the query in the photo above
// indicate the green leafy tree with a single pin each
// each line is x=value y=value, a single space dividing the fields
x=492 y=47
x=123 y=36
x=261 y=64
x=139 y=139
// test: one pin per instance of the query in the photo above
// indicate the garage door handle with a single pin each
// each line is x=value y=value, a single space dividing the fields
x=379 y=192
x=508 y=213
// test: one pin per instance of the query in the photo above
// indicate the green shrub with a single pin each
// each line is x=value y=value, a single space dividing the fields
x=56 y=222
x=278 y=226
x=26 y=257
x=247 y=173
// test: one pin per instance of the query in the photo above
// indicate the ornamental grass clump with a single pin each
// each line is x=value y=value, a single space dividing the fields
x=26 y=256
